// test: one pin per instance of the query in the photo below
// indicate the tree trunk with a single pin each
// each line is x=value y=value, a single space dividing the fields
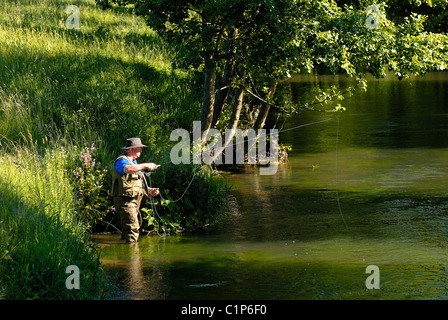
x=265 y=107
x=229 y=71
x=221 y=96
x=209 y=95
x=233 y=123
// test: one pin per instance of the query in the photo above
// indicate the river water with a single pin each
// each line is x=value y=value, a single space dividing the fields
x=368 y=187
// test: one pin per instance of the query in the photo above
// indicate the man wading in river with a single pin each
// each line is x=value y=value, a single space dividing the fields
x=128 y=187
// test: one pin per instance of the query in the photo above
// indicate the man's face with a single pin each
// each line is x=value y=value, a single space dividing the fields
x=135 y=152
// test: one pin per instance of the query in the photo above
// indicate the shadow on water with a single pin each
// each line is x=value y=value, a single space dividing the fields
x=285 y=237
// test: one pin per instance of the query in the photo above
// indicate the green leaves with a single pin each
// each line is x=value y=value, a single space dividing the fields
x=269 y=40
x=183 y=206
x=167 y=203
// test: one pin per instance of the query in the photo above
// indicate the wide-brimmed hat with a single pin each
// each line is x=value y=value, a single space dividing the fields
x=133 y=143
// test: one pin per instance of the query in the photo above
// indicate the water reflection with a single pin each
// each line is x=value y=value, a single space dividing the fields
x=391 y=114
x=136 y=282
x=138 y=277
x=205 y=268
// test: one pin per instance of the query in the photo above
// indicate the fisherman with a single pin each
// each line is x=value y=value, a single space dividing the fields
x=129 y=187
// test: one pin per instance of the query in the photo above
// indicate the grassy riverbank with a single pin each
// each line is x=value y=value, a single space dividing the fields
x=40 y=235
x=62 y=90
x=111 y=78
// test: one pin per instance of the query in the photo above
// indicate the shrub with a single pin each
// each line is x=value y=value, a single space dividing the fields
x=88 y=179
x=191 y=196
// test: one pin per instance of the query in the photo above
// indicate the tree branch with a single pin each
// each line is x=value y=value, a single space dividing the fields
x=264 y=101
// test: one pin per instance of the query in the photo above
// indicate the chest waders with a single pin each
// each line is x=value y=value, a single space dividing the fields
x=127 y=192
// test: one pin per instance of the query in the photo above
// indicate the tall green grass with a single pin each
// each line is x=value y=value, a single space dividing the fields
x=40 y=235
x=110 y=79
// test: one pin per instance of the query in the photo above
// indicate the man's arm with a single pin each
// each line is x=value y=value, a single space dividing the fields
x=135 y=168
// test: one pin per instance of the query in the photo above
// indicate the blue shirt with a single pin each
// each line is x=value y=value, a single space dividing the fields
x=121 y=163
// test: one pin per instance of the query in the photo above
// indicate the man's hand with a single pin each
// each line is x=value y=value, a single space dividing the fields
x=151 y=166
x=153 y=191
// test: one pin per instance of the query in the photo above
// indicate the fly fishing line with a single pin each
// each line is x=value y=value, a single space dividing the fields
x=284 y=130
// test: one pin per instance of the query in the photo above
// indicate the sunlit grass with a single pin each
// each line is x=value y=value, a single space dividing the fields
x=40 y=234
x=113 y=77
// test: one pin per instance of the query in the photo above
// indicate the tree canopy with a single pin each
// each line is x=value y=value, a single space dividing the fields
x=246 y=47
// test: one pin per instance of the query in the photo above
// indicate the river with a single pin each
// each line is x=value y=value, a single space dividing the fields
x=366 y=188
